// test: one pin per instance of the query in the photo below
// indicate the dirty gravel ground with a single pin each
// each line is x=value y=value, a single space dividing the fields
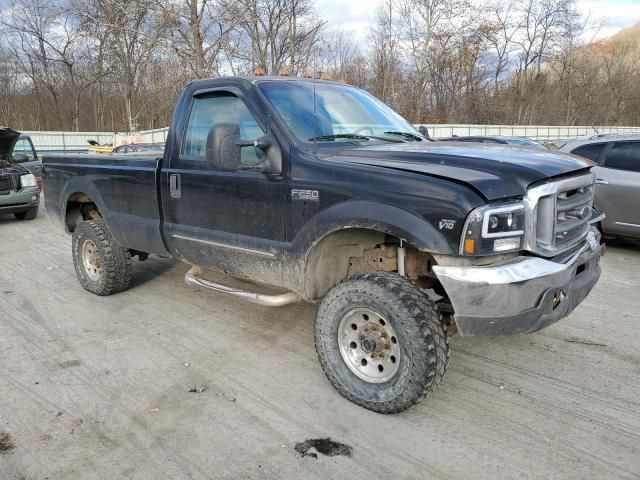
x=94 y=388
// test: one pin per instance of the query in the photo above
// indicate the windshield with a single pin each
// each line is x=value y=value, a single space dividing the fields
x=525 y=142
x=342 y=113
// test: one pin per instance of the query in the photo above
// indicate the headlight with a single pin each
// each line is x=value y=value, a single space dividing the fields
x=494 y=229
x=28 y=180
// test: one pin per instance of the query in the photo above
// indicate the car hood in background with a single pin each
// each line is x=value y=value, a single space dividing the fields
x=8 y=139
x=496 y=171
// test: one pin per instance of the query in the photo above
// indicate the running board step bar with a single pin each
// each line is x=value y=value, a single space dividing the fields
x=192 y=277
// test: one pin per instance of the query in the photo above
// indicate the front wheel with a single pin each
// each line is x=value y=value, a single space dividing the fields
x=380 y=342
x=103 y=267
x=30 y=214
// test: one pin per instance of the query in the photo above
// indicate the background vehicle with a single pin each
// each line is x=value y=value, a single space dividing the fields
x=19 y=188
x=138 y=148
x=517 y=141
x=617 y=179
x=322 y=192
x=95 y=147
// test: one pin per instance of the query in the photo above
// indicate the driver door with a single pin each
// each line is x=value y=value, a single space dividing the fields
x=618 y=188
x=220 y=219
x=24 y=154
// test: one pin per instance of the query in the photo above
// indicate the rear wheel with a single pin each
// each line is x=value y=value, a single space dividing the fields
x=102 y=266
x=380 y=342
x=29 y=214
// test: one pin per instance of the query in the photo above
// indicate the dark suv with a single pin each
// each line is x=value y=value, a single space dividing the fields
x=617 y=179
x=19 y=187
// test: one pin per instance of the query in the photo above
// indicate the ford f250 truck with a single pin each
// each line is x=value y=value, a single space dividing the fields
x=319 y=189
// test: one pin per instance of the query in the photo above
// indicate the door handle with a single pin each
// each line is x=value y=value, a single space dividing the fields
x=174 y=186
x=601 y=181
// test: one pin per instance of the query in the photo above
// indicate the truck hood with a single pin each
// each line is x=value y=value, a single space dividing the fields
x=497 y=171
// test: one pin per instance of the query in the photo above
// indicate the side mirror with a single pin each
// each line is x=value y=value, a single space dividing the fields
x=424 y=131
x=272 y=163
x=223 y=146
x=224 y=149
x=19 y=158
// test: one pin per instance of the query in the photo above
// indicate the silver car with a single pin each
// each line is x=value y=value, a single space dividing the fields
x=617 y=179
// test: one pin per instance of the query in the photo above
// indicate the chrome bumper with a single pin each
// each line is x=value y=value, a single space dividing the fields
x=525 y=295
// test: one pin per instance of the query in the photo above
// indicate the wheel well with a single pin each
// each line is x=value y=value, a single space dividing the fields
x=80 y=207
x=348 y=252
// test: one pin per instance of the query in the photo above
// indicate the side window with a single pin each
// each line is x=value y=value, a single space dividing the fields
x=206 y=111
x=624 y=156
x=591 y=151
x=23 y=147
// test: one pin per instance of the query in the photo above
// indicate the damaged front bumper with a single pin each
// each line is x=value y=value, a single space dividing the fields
x=523 y=295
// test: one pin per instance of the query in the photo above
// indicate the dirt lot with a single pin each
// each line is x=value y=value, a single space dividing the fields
x=98 y=387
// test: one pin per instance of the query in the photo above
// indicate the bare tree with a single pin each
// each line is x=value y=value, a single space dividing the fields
x=421 y=21
x=268 y=30
x=119 y=65
x=134 y=32
x=502 y=26
x=384 y=52
x=339 y=56
x=199 y=30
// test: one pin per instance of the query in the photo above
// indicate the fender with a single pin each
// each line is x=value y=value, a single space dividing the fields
x=80 y=184
x=344 y=230
x=392 y=220
x=147 y=237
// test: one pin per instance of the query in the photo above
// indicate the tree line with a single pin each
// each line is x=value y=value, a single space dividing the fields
x=119 y=65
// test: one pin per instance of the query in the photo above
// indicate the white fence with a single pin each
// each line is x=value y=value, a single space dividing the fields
x=70 y=141
x=78 y=141
x=67 y=141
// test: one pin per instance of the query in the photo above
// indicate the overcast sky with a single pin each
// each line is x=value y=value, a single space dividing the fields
x=354 y=15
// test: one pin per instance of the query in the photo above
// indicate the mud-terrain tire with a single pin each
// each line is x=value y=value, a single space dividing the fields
x=411 y=325
x=103 y=267
x=29 y=214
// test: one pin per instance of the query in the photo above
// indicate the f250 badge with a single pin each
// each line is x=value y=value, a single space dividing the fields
x=308 y=195
x=446 y=224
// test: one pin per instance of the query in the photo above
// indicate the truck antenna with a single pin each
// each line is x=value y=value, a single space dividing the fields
x=315 y=70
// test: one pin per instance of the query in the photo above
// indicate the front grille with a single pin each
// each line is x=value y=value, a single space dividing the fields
x=561 y=212
x=6 y=184
x=573 y=212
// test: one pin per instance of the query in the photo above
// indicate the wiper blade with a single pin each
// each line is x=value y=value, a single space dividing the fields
x=352 y=136
x=413 y=136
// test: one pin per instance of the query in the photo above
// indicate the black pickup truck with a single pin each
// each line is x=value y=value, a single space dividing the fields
x=320 y=190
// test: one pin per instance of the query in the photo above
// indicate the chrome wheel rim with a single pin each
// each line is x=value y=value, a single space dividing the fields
x=91 y=260
x=369 y=345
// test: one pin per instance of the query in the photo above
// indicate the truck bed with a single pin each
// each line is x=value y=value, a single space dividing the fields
x=124 y=188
